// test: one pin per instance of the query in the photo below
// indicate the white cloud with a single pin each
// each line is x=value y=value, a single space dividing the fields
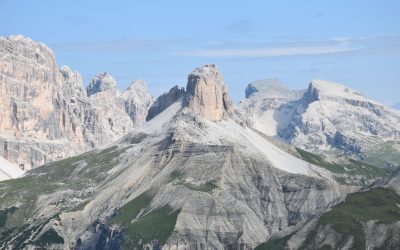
x=296 y=47
x=266 y=52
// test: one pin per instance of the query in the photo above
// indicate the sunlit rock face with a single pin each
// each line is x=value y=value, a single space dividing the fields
x=207 y=93
x=47 y=114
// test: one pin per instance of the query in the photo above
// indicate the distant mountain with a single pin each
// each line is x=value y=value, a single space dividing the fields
x=47 y=114
x=327 y=118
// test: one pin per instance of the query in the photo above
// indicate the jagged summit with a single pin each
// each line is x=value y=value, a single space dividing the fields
x=137 y=101
x=101 y=83
x=137 y=86
x=46 y=113
x=28 y=50
x=207 y=93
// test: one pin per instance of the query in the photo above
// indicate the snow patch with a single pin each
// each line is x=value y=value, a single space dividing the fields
x=9 y=170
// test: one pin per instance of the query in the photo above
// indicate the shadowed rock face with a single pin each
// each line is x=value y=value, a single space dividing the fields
x=207 y=92
x=47 y=114
x=164 y=101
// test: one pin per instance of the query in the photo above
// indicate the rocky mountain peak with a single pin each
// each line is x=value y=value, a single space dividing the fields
x=46 y=113
x=268 y=88
x=207 y=93
x=103 y=82
x=137 y=100
x=138 y=86
x=26 y=48
x=328 y=89
x=72 y=80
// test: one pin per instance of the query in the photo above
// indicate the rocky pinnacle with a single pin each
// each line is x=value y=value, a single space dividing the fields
x=207 y=93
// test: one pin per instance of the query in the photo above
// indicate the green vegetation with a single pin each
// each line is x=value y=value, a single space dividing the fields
x=155 y=225
x=275 y=244
x=347 y=217
x=176 y=174
x=25 y=234
x=135 y=139
x=358 y=171
x=376 y=204
x=381 y=152
x=4 y=213
x=49 y=237
x=76 y=173
x=207 y=187
x=131 y=209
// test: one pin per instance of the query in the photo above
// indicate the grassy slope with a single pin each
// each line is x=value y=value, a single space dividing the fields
x=177 y=176
x=157 y=224
x=347 y=217
x=276 y=244
x=383 y=151
x=75 y=173
x=351 y=172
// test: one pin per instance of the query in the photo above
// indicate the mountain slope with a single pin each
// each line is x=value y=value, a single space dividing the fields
x=327 y=119
x=181 y=180
x=48 y=115
x=369 y=219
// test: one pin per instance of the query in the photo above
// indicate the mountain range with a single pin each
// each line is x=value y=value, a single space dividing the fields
x=48 y=115
x=285 y=169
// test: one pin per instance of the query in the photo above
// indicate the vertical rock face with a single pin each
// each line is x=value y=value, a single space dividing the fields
x=47 y=114
x=137 y=101
x=207 y=92
x=164 y=101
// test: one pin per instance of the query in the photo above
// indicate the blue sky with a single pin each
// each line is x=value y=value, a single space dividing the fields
x=354 y=42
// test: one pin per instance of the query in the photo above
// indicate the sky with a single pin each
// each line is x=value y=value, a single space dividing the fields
x=356 y=43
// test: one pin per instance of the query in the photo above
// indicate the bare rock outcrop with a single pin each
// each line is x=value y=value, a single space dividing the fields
x=103 y=82
x=164 y=101
x=137 y=101
x=47 y=114
x=207 y=93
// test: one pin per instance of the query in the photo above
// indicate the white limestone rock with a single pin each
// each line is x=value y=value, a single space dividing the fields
x=46 y=112
x=207 y=93
x=327 y=118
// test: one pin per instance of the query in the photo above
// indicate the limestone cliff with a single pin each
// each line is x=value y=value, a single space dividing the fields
x=207 y=93
x=47 y=114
